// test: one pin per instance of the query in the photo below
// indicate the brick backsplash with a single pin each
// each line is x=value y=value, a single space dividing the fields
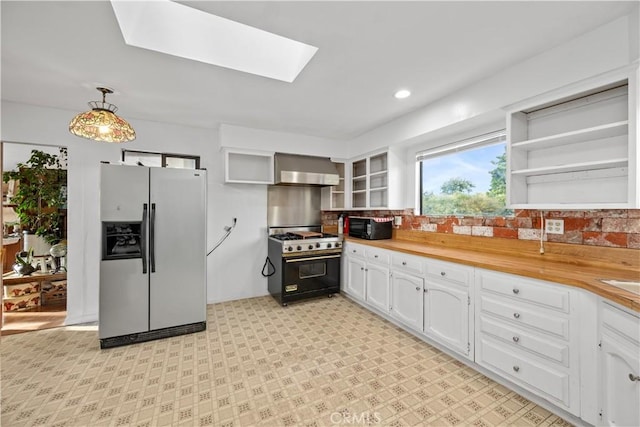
x=614 y=228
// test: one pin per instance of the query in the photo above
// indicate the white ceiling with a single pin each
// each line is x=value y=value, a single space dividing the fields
x=55 y=54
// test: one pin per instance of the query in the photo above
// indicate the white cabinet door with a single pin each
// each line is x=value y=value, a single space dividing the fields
x=446 y=315
x=356 y=278
x=377 y=283
x=406 y=299
x=620 y=385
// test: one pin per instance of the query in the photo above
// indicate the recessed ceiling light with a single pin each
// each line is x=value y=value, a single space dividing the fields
x=402 y=94
x=175 y=29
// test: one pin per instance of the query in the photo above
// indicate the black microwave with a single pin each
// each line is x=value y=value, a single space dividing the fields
x=370 y=228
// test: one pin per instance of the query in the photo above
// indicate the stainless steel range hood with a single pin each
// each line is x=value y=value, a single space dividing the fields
x=293 y=169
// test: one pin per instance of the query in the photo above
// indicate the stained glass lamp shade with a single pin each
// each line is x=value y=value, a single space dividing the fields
x=101 y=122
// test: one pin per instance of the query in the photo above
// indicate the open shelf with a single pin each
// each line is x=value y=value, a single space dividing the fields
x=574 y=167
x=575 y=150
x=597 y=132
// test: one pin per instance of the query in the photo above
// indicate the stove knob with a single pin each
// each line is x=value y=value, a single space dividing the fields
x=289 y=248
x=317 y=245
x=337 y=245
x=310 y=247
x=299 y=248
x=328 y=245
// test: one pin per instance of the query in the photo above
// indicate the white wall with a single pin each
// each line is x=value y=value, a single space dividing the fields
x=483 y=104
x=603 y=49
x=233 y=269
x=265 y=140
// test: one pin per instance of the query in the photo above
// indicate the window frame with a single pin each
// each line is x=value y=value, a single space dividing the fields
x=164 y=156
x=480 y=140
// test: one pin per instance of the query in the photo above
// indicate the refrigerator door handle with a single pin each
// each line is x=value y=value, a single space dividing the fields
x=143 y=239
x=152 y=238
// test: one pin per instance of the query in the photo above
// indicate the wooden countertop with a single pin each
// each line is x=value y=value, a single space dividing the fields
x=583 y=270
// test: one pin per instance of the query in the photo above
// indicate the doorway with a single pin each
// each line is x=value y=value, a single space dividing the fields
x=34 y=223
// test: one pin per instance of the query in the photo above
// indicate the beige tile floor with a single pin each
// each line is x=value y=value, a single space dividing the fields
x=323 y=362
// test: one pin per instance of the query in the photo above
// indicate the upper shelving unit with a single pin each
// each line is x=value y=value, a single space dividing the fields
x=248 y=167
x=575 y=150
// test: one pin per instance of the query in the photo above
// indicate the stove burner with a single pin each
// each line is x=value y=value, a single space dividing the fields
x=296 y=236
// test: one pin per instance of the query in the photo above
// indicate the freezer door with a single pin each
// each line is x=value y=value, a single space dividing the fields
x=177 y=247
x=124 y=289
x=123 y=190
x=124 y=298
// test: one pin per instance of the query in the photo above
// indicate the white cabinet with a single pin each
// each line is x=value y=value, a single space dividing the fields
x=355 y=277
x=333 y=197
x=619 y=367
x=526 y=331
x=378 y=286
x=576 y=148
x=248 y=167
x=406 y=299
x=367 y=277
x=448 y=311
x=375 y=181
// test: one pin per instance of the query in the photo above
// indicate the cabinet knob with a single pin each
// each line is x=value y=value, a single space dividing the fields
x=362 y=268
x=516 y=291
x=442 y=273
x=425 y=290
x=516 y=339
x=516 y=315
x=516 y=368
x=418 y=288
x=634 y=377
x=404 y=263
x=375 y=256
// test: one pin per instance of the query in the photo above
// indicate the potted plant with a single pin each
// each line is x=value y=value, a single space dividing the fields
x=40 y=194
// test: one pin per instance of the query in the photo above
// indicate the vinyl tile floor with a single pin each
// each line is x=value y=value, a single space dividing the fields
x=321 y=362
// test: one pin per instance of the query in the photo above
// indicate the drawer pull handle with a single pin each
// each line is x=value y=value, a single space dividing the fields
x=634 y=377
x=516 y=291
x=404 y=263
x=516 y=339
x=516 y=368
x=516 y=315
x=442 y=273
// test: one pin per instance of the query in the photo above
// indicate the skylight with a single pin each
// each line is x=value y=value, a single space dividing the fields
x=179 y=30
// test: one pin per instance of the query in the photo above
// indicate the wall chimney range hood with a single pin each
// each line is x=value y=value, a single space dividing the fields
x=294 y=169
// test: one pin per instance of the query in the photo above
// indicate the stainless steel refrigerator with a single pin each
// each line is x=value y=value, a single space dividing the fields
x=153 y=266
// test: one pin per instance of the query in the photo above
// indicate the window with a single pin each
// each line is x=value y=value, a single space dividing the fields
x=467 y=177
x=164 y=160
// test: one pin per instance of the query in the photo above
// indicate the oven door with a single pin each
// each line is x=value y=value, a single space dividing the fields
x=310 y=274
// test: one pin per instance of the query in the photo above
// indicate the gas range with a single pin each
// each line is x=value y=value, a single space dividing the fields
x=305 y=240
x=302 y=262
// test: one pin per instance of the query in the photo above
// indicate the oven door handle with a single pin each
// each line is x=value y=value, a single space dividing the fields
x=315 y=258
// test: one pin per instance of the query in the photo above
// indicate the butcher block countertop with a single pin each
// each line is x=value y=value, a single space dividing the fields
x=574 y=265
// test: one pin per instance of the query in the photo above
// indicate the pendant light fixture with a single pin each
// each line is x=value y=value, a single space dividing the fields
x=101 y=122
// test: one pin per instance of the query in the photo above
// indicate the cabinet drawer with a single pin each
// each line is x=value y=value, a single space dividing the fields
x=526 y=290
x=515 y=366
x=355 y=250
x=626 y=324
x=378 y=255
x=539 y=345
x=523 y=316
x=406 y=262
x=453 y=272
